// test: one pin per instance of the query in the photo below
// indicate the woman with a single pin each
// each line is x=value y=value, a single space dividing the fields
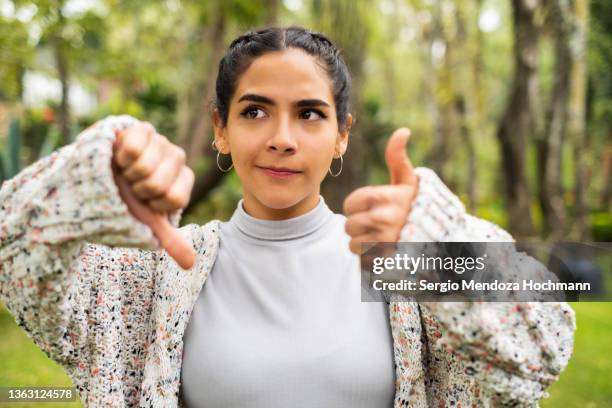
x=279 y=321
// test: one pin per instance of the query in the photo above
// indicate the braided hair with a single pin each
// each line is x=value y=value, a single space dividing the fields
x=244 y=49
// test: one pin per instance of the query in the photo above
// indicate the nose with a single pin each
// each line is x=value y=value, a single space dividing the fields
x=281 y=140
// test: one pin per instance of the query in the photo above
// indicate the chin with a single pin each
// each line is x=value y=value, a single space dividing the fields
x=279 y=201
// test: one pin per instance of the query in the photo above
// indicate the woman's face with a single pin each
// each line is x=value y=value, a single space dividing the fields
x=282 y=116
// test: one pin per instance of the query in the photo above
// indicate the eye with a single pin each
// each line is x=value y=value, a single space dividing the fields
x=253 y=112
x=312 y=114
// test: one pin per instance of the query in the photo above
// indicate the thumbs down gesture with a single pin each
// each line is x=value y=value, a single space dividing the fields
x=378 y=213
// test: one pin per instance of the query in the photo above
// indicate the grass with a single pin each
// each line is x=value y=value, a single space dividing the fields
x=586 y=383
x=23 y=364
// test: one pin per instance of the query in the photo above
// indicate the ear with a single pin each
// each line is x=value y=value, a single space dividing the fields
x=343 y=136
x=220 y=135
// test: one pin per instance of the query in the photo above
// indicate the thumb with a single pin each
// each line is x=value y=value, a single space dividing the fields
x=168 y=236
x=172 y=241
x=400 y=167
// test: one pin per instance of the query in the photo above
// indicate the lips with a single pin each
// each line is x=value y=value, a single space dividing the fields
x=279 y=172
x=281 y=169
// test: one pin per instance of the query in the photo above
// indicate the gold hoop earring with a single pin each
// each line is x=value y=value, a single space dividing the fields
x=339 y=171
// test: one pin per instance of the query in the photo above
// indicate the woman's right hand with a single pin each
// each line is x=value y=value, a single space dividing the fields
x=154 y=181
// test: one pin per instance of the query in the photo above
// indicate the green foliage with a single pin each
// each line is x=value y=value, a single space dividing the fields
x=601 y=226
x=153 y=60
x=11 y=151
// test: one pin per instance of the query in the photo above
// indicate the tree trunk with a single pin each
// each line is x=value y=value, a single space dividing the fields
x=61 y=62
x=577 y=121
x=517 y=123
x=466 y=100
x=466 y=137
x=445 y=131
x=348 y=28
x=196 y=135
x=199 y=131
x=272 y=7
x=550 y=144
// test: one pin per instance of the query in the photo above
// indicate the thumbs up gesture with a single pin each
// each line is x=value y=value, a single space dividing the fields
x=154 y=181
x=378 y=213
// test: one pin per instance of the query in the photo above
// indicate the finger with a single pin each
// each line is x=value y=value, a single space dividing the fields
x=148 y=161
x=377 y=219
x=359 y=224
x=365 y=242
x=366 y=198
x=130 y=143
x=386 y=216
x=178 y=195
x=400 y=168
x=362 y=243
x=358 y=245
x=170 y=239
x=173 y=242
x=360 y=200
x=119 y=133
x=158 y=183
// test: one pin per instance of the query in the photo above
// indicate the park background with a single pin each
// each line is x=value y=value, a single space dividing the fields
x=509 y=101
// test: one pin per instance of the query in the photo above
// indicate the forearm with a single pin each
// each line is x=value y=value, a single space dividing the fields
x=514 y=349
x=50 y=213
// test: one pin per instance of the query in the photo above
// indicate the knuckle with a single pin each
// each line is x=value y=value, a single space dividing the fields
x=155 y=188
x=141 y=169
x=180 y=154
x=346 y=205
x=162 y=139
x=147 y=189
x=131 y=148
x=381 y=216
x=147 y=127
x=176 y=200
x=146 y=168
x=189 y=174
x=186 y=178
x=349 y=227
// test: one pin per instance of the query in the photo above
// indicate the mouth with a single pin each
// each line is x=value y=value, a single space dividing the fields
x=279 y=172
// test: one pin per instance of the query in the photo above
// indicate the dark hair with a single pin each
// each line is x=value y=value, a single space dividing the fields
x=244 y=49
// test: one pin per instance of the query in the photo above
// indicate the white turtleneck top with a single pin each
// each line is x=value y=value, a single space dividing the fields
x=280 y=321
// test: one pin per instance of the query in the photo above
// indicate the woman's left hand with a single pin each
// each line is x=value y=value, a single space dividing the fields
x=378 y=213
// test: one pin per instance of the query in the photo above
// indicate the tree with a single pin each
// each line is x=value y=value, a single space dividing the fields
x=517 y=123
x=577 y=119
x=346 y=22
x=550 y=144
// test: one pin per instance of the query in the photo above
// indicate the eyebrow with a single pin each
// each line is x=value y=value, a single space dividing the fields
x=265 y=100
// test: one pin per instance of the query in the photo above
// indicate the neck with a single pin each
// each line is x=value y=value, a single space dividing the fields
x=255 y=208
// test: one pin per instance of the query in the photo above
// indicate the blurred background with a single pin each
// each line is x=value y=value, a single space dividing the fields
x=509 y=101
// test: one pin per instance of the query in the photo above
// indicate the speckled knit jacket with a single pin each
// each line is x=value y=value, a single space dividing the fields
x=88 y=283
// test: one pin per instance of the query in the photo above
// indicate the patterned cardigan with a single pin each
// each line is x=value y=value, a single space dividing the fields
x=90 y=285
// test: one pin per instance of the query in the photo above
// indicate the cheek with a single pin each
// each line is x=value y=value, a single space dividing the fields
x=244 y=152
x=319 y=156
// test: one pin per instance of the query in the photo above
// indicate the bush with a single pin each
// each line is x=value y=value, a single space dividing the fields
x=601 y=226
